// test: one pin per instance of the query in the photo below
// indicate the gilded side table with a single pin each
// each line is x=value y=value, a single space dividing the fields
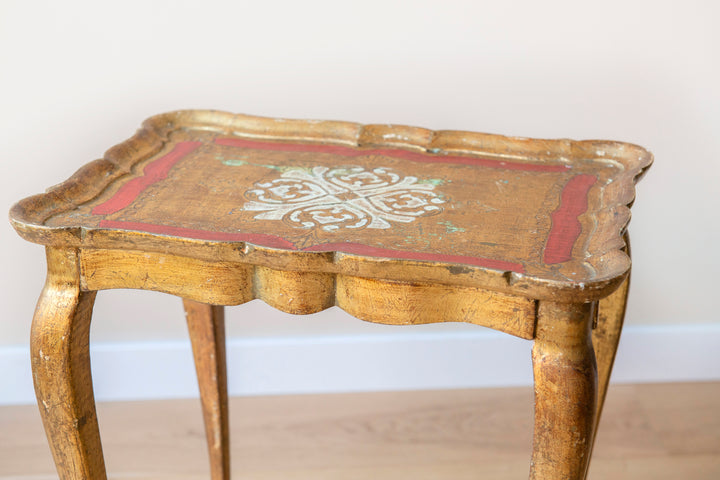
x=393 y=224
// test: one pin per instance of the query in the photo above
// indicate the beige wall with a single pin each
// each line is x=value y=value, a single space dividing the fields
x=77 y=77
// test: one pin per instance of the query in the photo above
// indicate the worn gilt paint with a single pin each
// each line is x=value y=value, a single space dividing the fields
x=394 y=224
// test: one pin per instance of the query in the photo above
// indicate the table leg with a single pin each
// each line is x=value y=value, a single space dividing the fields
x=606 y=337
x=61 y=370
x=565 y=391
x=206 y=324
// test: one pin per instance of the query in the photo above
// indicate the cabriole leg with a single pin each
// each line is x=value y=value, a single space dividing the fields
x=206 y=324
x=61 y=370
x=606 y=337
x=565 y=391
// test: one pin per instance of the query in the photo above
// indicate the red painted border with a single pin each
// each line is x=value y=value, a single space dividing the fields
x=274 y=241
x=153 y=172
x=566 y=227
x=389 y=152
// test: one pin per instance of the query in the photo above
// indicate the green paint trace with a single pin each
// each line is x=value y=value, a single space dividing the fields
x=239 y=162
x=450 y=227
x=432 y=181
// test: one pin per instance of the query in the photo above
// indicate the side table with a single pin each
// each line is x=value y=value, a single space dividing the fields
x=393 y=224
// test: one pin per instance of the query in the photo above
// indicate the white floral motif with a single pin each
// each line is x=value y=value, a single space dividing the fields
x=342 y=197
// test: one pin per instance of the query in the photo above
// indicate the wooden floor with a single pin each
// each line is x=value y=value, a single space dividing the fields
x=648 y=432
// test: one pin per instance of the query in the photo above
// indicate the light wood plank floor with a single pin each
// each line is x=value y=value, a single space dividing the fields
x=648 y=432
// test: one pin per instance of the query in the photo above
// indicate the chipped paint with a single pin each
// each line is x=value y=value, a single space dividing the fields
x=488 y=244
x=395 y=136
x=500 y=184
x=459 y=269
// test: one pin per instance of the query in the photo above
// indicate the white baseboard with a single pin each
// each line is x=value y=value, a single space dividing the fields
x=402 y=361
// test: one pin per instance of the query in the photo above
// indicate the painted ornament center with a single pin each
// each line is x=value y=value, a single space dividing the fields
x=343 y=197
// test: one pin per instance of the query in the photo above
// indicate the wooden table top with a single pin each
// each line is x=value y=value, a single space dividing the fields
x=487 y=209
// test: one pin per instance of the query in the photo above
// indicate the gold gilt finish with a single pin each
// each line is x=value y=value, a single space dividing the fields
x=393 y=224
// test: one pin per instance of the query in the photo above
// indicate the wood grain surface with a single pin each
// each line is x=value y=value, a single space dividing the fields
x=649 y=432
